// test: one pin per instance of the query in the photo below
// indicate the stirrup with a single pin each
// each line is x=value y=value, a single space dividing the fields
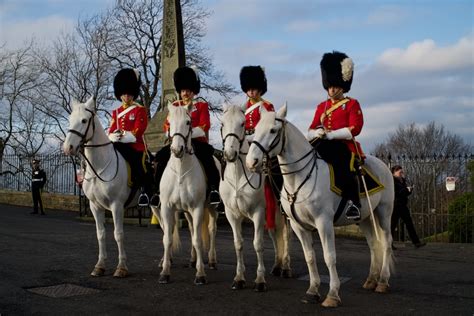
x=352 y=211
x=143 y=200
x=155 y=200
x=214 y=197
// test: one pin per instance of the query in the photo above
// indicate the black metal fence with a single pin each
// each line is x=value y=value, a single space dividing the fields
x=429 y=202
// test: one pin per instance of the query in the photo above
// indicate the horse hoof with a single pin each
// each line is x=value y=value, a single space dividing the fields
x=276 y=271
x=164 y=279
x=120 y=273
x=238 y=285
x=286 y=273
x=310 y=298
x=98 y=272
x=260 y=287
x=213 y=265
x=201 y=280
x=370 y=284
x=192 y=264
x=381 y=288
x=331 y=302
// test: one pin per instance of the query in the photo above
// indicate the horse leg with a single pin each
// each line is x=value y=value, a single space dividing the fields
x=197 y=214
x=192 y=260
x=117 y=214
x=212 y=227
x=326 y=234
x=374 y=271
x=284 y=241
x=306 y=240
x=168 y=223
x=99 y=216
x=236 y=224
x=383 y=213
x=258 y=222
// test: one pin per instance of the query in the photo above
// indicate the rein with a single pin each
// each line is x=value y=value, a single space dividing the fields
x=185 y=138
x=241 y=142
x=83 y=144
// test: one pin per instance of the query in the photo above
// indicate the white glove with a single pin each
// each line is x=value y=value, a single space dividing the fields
x=315 y=133
x=114 y=137
x=342 y=133
x=198 y=132
x=128 y=137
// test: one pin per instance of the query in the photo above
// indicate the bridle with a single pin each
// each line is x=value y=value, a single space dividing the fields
x=281 y=137
x=241 y=142
x=184 y=137
x=84 y=141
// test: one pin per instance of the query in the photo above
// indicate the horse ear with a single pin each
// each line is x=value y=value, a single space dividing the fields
x=90 y=103
x=170 y=106
x=282 y=111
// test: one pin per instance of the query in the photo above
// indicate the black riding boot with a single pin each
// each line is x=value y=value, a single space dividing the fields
x=204 y=152
x=353 y=203
x=161 y=160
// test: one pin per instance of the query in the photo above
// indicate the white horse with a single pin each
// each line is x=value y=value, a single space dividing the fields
x=105 y=180
x=183 y=187
x=310 y=204
x=243 y=195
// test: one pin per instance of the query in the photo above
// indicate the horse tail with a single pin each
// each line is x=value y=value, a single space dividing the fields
x=176 y=239
x=205 y=230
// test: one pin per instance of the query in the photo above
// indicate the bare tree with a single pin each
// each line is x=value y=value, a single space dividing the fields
x=428 y=154
x=22 y=128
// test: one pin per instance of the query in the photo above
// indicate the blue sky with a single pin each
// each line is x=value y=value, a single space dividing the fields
x=414 y=60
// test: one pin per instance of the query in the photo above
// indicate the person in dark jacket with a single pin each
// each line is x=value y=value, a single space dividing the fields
x=38 y=180
x=400 y=206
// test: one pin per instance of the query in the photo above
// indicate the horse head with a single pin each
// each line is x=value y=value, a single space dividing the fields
x=232 y=132
x=180 y=129
x=81 y=126
x=269 y=139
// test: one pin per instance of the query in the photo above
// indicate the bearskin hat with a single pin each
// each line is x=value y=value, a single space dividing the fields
x=186 y=78
x=127 y=81
x=337 y=70
x=253 y=77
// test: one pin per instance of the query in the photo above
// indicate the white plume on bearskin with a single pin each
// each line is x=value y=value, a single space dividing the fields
x=347 y=69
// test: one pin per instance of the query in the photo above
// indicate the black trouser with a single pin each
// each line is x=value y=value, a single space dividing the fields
x=140 y=175
x=276 y=178
x=203 y=151
x=402 y=211
x=338 y=154
x=37 y=200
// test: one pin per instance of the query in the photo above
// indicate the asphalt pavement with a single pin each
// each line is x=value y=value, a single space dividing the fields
x=45 y=262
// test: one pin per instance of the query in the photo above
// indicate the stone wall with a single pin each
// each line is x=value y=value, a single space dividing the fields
x=50 y=200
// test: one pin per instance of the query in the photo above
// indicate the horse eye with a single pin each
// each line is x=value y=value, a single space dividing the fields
x=188 y=122
x=243 y=123
x=84 y=121
x=272 y=131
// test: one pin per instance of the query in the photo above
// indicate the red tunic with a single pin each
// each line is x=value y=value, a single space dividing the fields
x=252 y=118
x=348 y=115
x=199 y=117
x=135 y=121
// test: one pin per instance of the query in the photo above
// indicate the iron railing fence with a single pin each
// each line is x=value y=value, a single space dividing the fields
x=428 y=203
x=16 y=171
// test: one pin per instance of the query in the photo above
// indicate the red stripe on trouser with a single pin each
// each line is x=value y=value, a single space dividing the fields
x=271 y=206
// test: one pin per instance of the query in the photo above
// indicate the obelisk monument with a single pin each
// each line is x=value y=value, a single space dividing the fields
x=172 y=57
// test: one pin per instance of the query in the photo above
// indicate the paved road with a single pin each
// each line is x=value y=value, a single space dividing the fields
x=58 y=249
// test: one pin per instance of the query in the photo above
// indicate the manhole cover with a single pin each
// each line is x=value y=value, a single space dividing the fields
x=325 y=278
x=62 y=290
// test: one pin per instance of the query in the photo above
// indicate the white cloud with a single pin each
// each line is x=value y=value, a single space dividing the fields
x=427 y=56
x=44 y=30
x=303 y=26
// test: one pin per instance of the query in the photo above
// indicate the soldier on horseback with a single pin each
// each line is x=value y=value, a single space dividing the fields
x=336 y=122
x=188 y=85
x=129 y=122
x=254 y=84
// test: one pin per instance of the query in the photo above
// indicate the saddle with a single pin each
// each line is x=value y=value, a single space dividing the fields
x=337 y=179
